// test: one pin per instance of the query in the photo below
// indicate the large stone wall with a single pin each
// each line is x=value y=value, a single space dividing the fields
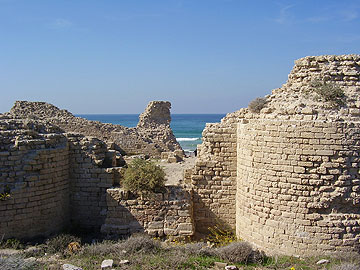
x=298 y=186
x=296 y=180
x=167 y=214
x=55 y=180
x=89 y=180
x=214 y=178
x=34 y=169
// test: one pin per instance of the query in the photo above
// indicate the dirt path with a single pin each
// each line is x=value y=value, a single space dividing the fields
x=175 y=171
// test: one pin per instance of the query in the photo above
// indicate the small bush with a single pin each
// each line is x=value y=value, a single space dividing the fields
x=60 y=243
x=240 y=252
x=197 y=249
x=16 y=263
x=140 y=243
x=346 y=266
x=257 y=104
x=328 y=91
x=143 y=176
x=100 y=249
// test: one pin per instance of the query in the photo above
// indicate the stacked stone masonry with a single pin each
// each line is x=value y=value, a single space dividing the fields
x=55 y=179
x=35 y=170
x=294 y=166
x=298 y=185
x=214 y=178
x=167 y=214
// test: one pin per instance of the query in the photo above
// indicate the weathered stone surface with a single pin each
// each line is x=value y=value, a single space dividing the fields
x=153 y=134
x=107 y=264
x=289 y=169
x=70 y=267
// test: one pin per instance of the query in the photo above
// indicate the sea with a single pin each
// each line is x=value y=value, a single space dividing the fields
x=187 y=128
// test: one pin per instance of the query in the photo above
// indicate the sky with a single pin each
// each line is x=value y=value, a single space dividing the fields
x=204 y=56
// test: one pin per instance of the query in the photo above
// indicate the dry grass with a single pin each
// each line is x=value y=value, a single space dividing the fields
x=257 y=104
x=145 y=253
x=240 y=252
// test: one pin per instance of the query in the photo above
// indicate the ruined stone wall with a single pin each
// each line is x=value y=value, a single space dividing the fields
x=161 y=214
x=298 y=186
x=152 y=136
x=89 y=180
x=56 y=179
x=34 y=171
x=296 y=175
x=214 y=178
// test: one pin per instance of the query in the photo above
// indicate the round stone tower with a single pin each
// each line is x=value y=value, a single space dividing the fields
x=298 y=161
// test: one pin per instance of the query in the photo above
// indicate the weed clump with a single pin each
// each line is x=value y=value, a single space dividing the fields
x=220 y=236
x=60 y=243
x=143 y=176
x=240 y=252
x=197 y=249
x=141 y=243
x=257 y=104
x=328 y=92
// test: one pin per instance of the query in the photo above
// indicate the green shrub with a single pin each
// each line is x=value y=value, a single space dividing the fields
x=240 y=252
x=257 y=104
x=143 y=176
x=59 y=243
x=328 y=91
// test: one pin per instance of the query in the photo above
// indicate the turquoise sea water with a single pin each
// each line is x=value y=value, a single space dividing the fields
x=187 y=128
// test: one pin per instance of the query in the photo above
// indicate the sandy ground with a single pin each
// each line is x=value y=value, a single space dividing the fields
x=175 y=171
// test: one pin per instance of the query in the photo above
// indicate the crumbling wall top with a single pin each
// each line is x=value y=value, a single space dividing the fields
x=156 y=113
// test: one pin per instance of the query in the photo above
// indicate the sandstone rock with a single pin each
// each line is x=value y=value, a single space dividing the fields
x=107 y=264
x=153 y=134
x=323 y=261
x=220 y=265
x=70 y=267
x=231 y=267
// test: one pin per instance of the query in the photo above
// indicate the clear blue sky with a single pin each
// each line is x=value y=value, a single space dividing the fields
x=205 y=56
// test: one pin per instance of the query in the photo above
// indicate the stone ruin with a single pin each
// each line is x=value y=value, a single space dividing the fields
x=286 y=177
x=152 y=136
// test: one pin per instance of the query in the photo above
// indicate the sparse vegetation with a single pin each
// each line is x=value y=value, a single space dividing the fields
x=60 y=243
x=240 y=252
x=11 y=243
x=140 y=243
x=328 y=92
x=146 y=253
x=143 y=176
x=220 y=236
x=257 y=104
